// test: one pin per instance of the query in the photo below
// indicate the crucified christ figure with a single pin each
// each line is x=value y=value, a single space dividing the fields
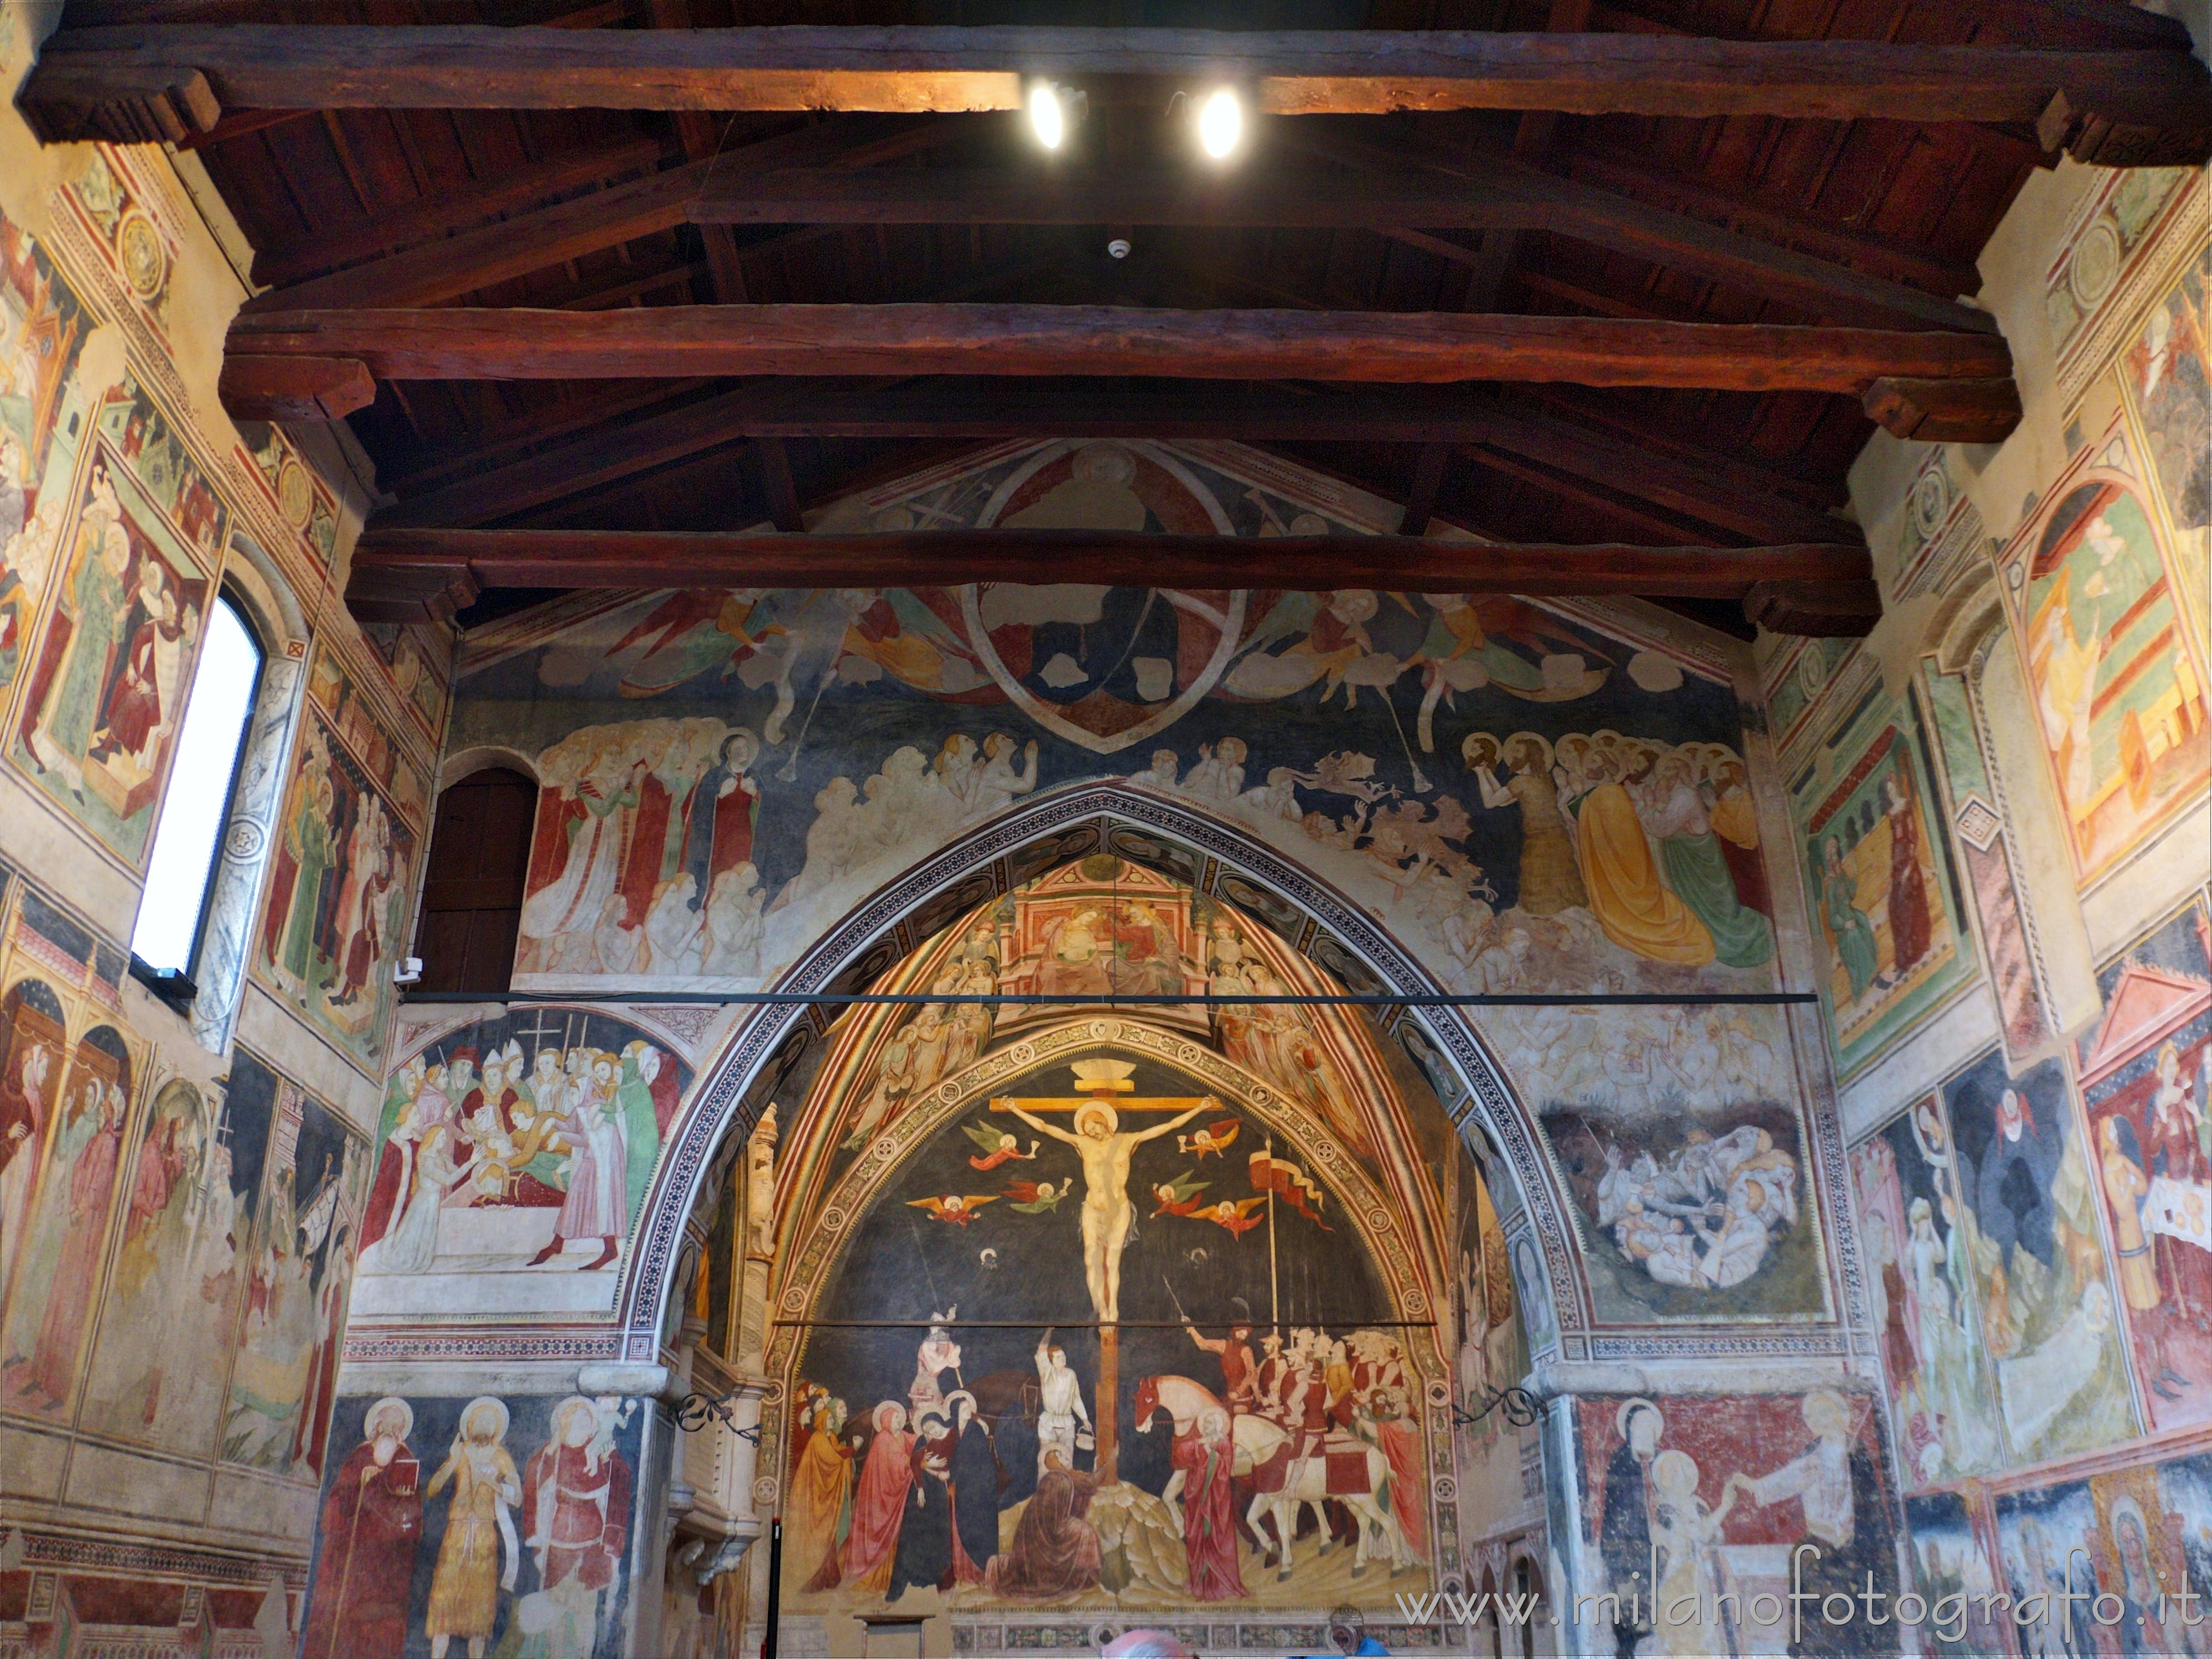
x=1105 y=1149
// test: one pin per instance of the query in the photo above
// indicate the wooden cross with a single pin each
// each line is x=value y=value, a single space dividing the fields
x=1108 y=1084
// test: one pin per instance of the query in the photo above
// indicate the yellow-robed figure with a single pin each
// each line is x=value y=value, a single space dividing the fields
x=1637 y=909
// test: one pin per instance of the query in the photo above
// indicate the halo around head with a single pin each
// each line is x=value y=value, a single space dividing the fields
x=1097 y=1112
x=391 y=1404
x=1543 y=748
x=483 y=1405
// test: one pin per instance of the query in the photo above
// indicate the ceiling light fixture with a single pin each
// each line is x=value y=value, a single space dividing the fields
x=1053 y=110
x=1220 y=122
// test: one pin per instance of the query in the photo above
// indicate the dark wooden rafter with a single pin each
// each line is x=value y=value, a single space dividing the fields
x=411 y=575
x=434 y=270
x=777 y=486
x=1530 y=199
x=1419 y=347
x=1421 y=494
x=2128 y=107
x=738 y=190
x=1704 y=488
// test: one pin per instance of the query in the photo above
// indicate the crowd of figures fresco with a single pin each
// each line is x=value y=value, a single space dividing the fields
x=475 y=1526
x=965 y=1422
x=522 y=1143
x=1539 y=800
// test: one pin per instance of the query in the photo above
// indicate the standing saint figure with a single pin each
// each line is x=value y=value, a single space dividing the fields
x=479 y=1532
x=1911 y=931
x=1853 y=932
x=878 y=1504
x=22 y=1123
x=575 y=1502
x=65 y=1247
x=1105 y=1150
x=821 y=1487
x=371 y=1523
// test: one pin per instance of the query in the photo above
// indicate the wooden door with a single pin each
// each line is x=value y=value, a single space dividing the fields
x=472 y=900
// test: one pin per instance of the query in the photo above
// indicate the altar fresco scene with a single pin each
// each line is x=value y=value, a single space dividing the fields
x=1091 y=1305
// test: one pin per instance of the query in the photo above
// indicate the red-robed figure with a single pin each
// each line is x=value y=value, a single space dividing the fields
x=372 y=1522
x=576 y=1507
x=1202 y=1458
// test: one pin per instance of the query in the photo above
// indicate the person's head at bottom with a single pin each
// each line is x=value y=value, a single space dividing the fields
x=1348 y=1629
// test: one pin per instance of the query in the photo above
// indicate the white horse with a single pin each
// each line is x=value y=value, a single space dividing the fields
x=1305 y=1482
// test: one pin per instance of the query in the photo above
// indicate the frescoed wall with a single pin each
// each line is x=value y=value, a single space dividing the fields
x=181 y=1193
x=1526 y=793
x=2029 y=1150
x=495 y=1525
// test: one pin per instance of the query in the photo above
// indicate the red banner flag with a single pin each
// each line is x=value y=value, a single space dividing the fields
x=1290 y=1183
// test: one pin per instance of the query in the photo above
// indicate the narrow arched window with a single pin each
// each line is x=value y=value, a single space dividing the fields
x=164 y=944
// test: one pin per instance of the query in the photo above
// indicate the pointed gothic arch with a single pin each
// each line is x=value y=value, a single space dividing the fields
x=1212 y=857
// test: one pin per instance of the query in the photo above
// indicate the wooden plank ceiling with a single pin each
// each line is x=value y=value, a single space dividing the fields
x=694 y=378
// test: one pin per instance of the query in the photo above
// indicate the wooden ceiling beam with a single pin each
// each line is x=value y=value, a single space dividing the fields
x=1508 y=198
x=1712 y=489
x=445 y=270
x=2131 y=108
x=433 y=270
x=411 y=575
x=1643 y=180
x=1817 y=285
x=451 y=210
x=1416 y=347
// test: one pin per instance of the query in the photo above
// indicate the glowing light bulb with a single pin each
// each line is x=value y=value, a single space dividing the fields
x=1046 y=116
x=1220 y=123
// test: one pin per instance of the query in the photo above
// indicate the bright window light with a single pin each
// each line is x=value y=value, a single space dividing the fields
x=1220 y=123
x=1046 y=115
x=198 y=794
